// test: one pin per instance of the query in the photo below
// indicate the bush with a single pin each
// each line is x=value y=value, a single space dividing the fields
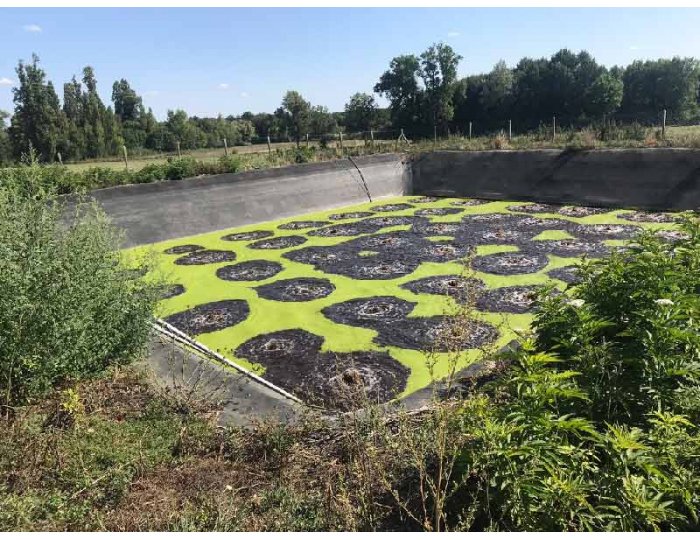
x=68 y=308
x=596 y=425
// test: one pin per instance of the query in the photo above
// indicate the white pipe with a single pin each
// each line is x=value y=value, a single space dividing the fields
x=169 y=330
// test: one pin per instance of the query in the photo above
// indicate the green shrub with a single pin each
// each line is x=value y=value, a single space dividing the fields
x=68 y=308
x=596 y=425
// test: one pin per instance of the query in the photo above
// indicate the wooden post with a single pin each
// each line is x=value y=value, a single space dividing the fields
x=307 y=140
x=225 y=147
x=340 y=135
x=470 y=131
x=434 y=133
x=554 y=128
x=179 y=153
x=371 y=137
x=60 y=158
x=663 y=126
x=269 y=147
x=510 y=130
x=126 y=157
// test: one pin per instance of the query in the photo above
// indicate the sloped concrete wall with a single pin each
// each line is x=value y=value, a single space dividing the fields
x=655 y=179
x=153 y=212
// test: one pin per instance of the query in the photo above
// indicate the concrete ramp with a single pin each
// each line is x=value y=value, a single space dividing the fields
x=654 y=179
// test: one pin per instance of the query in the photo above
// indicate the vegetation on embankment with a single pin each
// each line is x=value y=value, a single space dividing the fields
x=96 y=175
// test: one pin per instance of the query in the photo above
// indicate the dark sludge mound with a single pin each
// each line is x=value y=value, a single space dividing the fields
x=281 y=242
x=440 y=333
x=293 y=360
x=568 y=248
x=470 y=202
x=247 y=236
x=249 y=271
x=606 y=232
x=517 y=299
x=210 y=317
x=581 y=211
x=206 y=256
x=391 y=207
x=355 y=228
x=455 y=286
x=170 y=291
x=510 y=263
x=369 y=312
x=438 y=211
x=568 y=274
x=648 y=217
x=297 y=225
x=296 y=290
x=535 y=208
x=349 y=215
x=184 y=248
x=371 y=267
x=425 y=200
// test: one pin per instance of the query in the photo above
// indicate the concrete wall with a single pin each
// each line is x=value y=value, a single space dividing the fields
x=164 y=210
x=663 y=178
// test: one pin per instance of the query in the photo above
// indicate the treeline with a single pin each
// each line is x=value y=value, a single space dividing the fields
x=426 y=98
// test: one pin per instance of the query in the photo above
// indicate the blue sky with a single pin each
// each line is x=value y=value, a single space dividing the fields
x=211 y=61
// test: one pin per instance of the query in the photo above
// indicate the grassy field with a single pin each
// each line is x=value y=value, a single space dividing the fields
x=268 y=316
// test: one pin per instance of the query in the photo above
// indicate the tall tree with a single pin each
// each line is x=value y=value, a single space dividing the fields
x=296 y=110
x=5 y=146
x=361 y=112
x=37 y=118
x=400 y=86
x=438 y=69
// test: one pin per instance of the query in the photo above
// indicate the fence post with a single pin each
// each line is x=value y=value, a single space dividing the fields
x=371 y=137
x=60 y=158
x=225 y=147
x=470 y=131
x=307 y=140
x=126 y=157
x=663 y=126
x=434 y=134
x=269 y=147
x=554 y=128
x=510 y=130
x=179 y=153
x=340 y=135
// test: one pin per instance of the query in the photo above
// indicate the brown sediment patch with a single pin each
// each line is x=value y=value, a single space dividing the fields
x=568 y=274
x=455 y=286
x=210 y=317
x=281 y=242
x=391 y=207
x=296 y=225
x=437 y=211
x=518 y=299
x=510 y=263
x=184 y=248
x=246 y=236
x=349 y=215
x=249 y=271
x=206 y=256
x=648 y=217
x=296 y=290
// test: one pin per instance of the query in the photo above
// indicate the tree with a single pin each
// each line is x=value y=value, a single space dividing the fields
x=361 y=112
x=438 y=69
x=37 y=119
x=654 y=85
x=5 y=146
x=296 y=111
x=321 y=121
x=604 y=95
x=128 y=105
x=400 y=86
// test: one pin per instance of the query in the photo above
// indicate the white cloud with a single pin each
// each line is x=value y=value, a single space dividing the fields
x=223 y=85
x=33 y=28
x=151 y=93
x=452 y=33
x=244 y=94
x=4 y=81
